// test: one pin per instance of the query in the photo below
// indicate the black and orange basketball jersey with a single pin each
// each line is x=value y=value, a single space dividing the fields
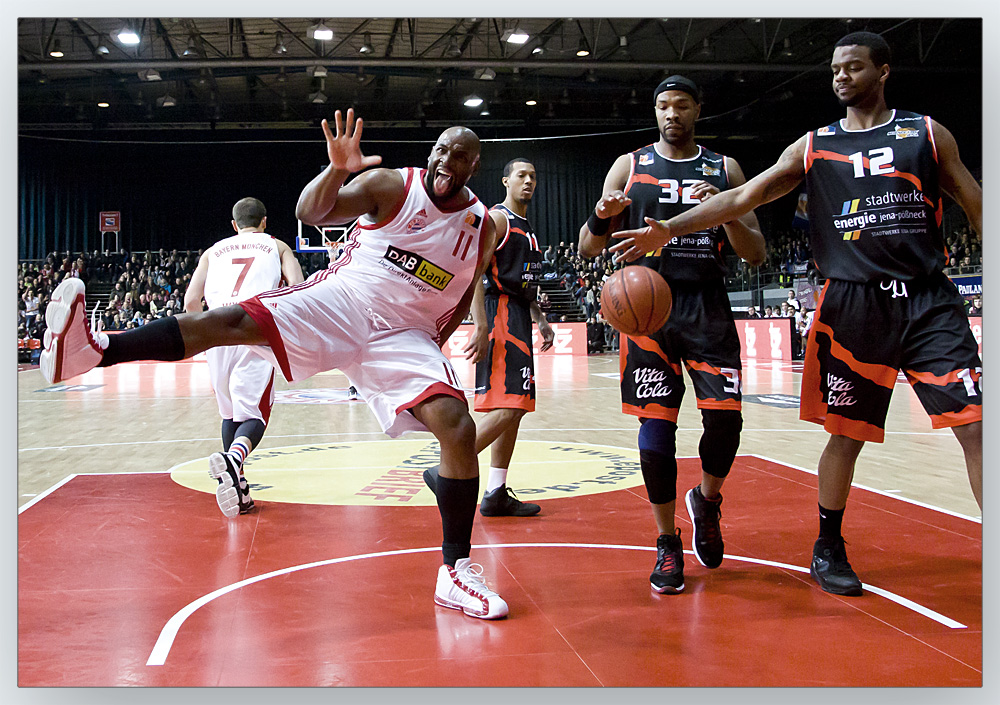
x=660 y=188
x=874 y=201
x=517 y=263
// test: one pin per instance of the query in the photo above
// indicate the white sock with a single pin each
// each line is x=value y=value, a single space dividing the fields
x=498 y=476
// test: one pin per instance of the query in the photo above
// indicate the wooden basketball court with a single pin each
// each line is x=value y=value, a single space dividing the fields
x=128 y=574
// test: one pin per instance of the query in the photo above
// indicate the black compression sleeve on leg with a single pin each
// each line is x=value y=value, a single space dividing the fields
x=252 y=429
x=157 y=340
x=720 y=440
x=456 y=501
x=658 y=459
x=228 y=433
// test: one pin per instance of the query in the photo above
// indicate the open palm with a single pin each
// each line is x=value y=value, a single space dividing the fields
x=344 y=147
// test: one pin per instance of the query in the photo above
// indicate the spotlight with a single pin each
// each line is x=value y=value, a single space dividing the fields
x=515 y=36
x=583 y=49
x=166 y=101
x=454 y=51
x=473 y=101
x=319 y=97
x=787 y=51
x=320 y=32
x=102 y=49
x=127 y=36
x=56 y=52
x=104 y=104
x=367 y=47
x=316 y=71
x=149 y=75
x=486 y=74
x=531 y=101
x=279 y=44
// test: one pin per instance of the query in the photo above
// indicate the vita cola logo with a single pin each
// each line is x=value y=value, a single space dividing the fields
x=837 y=391
x=650 y=383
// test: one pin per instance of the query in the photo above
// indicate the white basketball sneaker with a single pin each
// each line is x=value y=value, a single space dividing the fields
x=70 y=347
x=463 y=588
x=233 y=492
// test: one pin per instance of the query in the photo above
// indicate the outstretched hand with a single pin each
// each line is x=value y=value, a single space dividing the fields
x=344 y=148
x=636 y=243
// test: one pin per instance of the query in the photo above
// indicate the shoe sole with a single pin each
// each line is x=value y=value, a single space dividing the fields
x=849 y=592
x=226 y=493
x=667 y=590
x=58 y=315
x=456 y=606
x=694 y=533
x=429 y=481
x=505 y=514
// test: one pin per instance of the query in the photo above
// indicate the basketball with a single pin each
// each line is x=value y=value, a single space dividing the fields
x=636 y=300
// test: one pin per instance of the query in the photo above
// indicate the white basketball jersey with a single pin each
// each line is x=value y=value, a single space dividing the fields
x=241 y=266
x=413 y=269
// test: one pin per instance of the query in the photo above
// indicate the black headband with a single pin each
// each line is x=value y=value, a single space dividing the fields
x=678 y=83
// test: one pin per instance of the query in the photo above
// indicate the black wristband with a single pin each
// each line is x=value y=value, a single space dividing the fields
x=597 y=225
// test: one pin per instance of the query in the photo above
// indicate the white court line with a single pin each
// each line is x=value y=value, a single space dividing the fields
x=884 y=493
x=42 y=495
x=164 y=642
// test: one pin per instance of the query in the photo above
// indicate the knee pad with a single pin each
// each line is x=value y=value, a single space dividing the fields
x=252 y=429
x=657 y=459
x=720 y=440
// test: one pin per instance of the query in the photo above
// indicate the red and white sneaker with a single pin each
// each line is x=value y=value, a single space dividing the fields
x=70 y=348
x=463 y=588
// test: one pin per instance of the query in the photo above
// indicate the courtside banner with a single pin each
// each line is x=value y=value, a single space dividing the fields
x=766 y=338
x=570 y=339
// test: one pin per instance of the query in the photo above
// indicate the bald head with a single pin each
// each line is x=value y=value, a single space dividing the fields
x=453 y=161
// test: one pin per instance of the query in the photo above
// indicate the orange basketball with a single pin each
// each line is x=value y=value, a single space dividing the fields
x=636 y=300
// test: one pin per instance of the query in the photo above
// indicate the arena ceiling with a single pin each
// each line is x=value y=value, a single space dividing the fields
x=207 y=73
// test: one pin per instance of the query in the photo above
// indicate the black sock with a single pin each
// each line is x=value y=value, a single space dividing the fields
x=157 y=340
x=830 y=522
x=457 y=503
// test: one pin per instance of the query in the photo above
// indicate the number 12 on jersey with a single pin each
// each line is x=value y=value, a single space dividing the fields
x=879 y=162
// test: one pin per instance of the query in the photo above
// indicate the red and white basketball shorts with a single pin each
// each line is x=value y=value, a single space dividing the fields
x=863 y=334
x=243 y=382
x=321 y=324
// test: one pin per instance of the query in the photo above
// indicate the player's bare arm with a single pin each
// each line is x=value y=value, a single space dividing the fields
x=325 y=200
x=774 y=182
x=544 y=329
x=291 y=271
x=955 y=179
x=613 y=202
x=489 y=246
x=744 y=233
x=475 y=349
x=196 y=287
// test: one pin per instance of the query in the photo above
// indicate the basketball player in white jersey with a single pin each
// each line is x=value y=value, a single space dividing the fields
x=234 y=269
x=380 y=315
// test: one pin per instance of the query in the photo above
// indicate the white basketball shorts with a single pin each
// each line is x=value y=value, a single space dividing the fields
x=321 y=325
x=243 y=382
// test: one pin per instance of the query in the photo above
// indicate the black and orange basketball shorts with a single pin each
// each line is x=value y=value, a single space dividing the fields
x=700 y=335
x=863 y=334
x=505 y=379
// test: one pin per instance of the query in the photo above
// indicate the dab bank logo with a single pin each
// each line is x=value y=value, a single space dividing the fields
x=389 y=473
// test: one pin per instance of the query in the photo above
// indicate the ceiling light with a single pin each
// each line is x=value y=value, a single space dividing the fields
x=319 y=97
x=632 y=99
x=583 y=49
x=279 y=44
x=706 y=49
x=473 y=101
x=166 y=101
x=531 y=101
x=104 y=104
x=102 y=48
x=453 y=50
x=787 y=51
x=149 y=75
x=191 y=49
x=565 y=97
x=515 y=36
x=537 y=50
x=320 y=32
x=316 y=71
x=281 y=75
x=485 y=110
x=367 y=47
x=623 y=42
x=127 y=36
x=55 y=52
x=551 y=111
x=486 y=74
x=591 y=76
